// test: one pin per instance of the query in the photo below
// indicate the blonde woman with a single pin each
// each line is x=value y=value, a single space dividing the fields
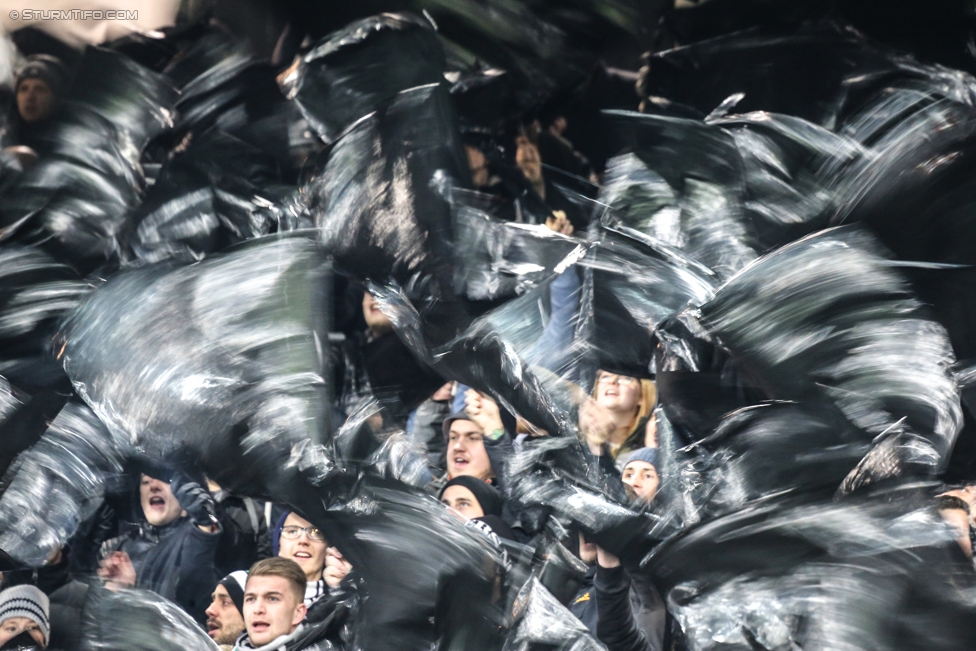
x=619 y=418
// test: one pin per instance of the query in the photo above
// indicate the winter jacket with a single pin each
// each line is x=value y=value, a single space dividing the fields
x=67 y=603
x=583 y=605
x=176 y=561
x=627 y=621
x=303 y=638
x=280 y=643
x=67 y=598
x=244 y=533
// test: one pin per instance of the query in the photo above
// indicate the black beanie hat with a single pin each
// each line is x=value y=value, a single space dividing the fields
x=234 y=585
x=485 y=493
x=48 y=69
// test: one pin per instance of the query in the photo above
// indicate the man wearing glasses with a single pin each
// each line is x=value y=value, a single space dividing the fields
x=298 y=540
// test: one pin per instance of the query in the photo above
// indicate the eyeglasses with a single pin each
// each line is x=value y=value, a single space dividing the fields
x=618 y=379
x=292 y=533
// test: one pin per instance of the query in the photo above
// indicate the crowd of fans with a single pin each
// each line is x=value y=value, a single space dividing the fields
x=179 y=536
x=258 y=575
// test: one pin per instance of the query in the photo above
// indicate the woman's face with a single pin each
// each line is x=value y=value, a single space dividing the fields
x=618 y=393
x=14 y=626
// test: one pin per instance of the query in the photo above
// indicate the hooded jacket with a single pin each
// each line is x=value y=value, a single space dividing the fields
x=176 y=561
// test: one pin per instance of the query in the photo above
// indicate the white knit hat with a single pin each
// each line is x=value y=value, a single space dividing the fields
x=27 y=601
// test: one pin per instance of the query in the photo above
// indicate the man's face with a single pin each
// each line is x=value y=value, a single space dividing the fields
x=309 y=554
x=271 y=609
x=478 y=165
x=462 y=502
x=14 y=626
x=375 y=319
x=35 y=100
x=528 y=160
x=158 y=503
x=642 y=479
x=618 y=392
x=224 y=622
x=466 y=453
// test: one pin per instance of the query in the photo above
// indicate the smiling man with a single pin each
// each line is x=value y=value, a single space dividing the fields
x=273 y=605
x=476 y=443
x=304 y=544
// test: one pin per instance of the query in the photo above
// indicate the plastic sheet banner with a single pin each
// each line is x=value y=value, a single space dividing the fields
x=881 y=572
x=73 y=201
x=222 y=359
x=376 y=201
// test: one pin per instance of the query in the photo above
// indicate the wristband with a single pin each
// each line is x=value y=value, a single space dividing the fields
x=496 y=434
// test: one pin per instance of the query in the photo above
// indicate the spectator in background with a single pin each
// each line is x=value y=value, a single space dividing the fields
x=303 y=543
x=968 y=495
x=640 y=475
x=620 y=417
x=425 y=427
x=559 y=152
x=583 y=605
x=171 y=550
x=378 y=324
x=38 y=89
x=630 y=612
x=225 y=619
x=356 y=352
x=475 y=500
x=244 y=536
x=296 y=539
x=544 y=198
x=478 y=164
x=476 y=441
x=65 y=593
x=24 y=618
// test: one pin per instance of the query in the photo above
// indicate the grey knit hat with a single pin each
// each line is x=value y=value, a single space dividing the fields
x=27 y=601
x=647 y=455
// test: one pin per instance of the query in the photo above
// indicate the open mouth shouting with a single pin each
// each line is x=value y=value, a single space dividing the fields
x=213 y=628
x=259 y=626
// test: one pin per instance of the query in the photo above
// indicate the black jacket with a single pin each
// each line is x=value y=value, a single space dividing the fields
x=67 y=597
x=583 y=604
x=175 y=561
x=244 y=536
x=628 y=621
